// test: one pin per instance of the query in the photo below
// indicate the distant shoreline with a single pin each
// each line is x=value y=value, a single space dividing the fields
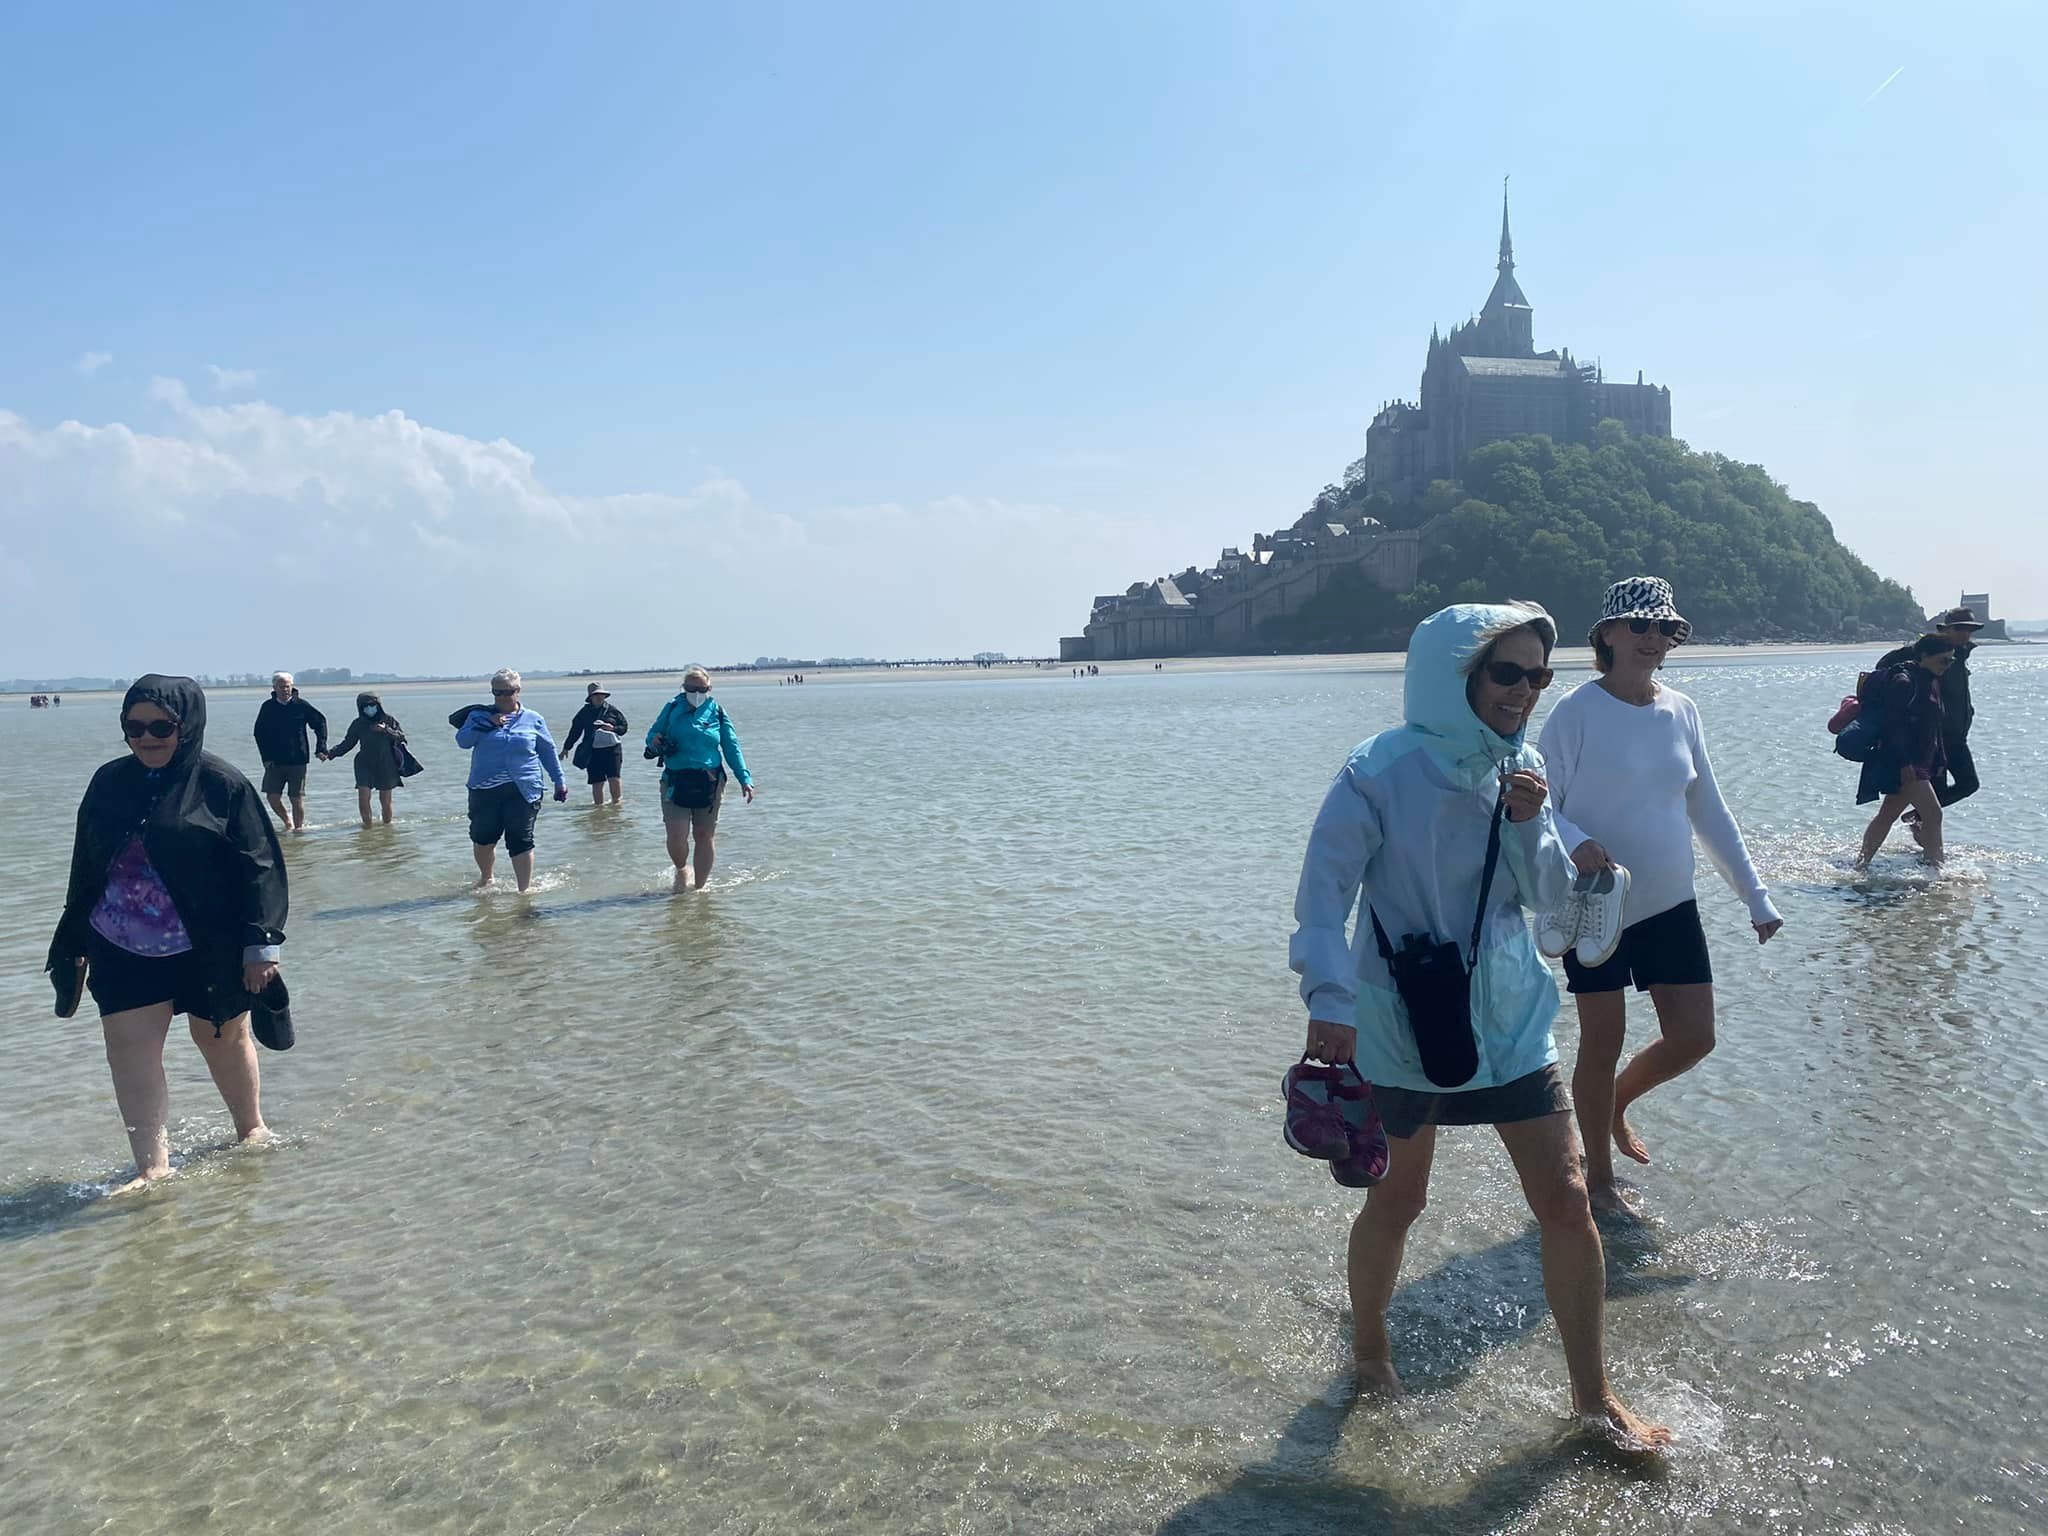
x=1567 y=658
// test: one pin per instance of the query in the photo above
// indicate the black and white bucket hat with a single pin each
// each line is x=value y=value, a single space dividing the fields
x=1640 y=597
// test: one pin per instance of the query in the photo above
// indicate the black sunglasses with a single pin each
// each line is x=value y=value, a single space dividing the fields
x=1668 y=628
x=504 y=693
x=1505 y=674
x=162 y=730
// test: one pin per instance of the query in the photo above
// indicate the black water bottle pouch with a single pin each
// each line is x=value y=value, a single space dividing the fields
x=1435 y=981
x=1436 y=994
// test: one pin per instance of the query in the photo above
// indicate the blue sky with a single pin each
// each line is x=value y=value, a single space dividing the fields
x=422 y=338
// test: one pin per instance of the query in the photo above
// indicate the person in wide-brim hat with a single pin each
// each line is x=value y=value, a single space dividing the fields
x=1632 y=784
x=1647 y=598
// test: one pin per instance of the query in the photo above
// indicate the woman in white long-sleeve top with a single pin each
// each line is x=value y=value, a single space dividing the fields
x=1631 y=784
x=1442 y=823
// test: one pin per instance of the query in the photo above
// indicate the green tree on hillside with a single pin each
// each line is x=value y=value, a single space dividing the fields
x=1558 y=522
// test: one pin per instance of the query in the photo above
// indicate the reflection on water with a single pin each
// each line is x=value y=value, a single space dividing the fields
x=924 y=1173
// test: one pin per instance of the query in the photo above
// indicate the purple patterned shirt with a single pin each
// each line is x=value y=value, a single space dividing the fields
x=136 y=913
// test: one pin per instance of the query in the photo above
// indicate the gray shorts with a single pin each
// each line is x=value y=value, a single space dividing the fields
x=1542 y=1092
x=279 y=777
x=702 y=818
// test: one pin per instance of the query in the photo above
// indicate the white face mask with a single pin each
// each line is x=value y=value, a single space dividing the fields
x=694 y=699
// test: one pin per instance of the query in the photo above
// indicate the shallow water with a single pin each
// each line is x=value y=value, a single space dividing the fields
x=924 y=1173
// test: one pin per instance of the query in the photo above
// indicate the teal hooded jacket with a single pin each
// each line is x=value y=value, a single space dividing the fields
x=698 y=738
x=1405 y=825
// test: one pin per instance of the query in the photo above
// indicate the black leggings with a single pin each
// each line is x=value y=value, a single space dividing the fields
x=1961 y=782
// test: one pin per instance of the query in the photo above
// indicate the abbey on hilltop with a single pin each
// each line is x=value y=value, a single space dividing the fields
x=1486 y=381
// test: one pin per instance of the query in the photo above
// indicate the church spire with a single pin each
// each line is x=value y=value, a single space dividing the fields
x=1507 y=244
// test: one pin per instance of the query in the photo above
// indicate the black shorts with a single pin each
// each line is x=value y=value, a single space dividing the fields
x=119 y=981
x=1668 y=950
x=503 y=811
x=279 y=777
x=1530 y=1097
x=606 y=763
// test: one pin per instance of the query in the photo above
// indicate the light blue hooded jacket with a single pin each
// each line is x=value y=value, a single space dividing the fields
x=1407 y=821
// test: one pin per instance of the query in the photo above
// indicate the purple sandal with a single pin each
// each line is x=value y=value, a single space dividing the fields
x=1367 y=1156
x=1315 y=1125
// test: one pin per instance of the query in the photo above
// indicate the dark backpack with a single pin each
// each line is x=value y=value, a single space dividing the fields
x=1863 y=737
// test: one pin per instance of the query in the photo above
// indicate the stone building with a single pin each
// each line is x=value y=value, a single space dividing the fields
x=1486 y=381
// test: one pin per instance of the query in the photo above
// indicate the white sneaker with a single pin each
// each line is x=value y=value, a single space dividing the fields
x=1558 y=929
x=1600 y=930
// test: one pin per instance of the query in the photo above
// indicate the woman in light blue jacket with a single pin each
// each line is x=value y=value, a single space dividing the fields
x=510 y=750
x=1409 y=821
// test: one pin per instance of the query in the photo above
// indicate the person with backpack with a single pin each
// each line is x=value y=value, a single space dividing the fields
x=1436 y=993
x=1911 y=752
x=1959 y=627
x=694 y=740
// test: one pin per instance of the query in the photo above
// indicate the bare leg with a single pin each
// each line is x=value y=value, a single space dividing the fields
x=135 y=1053
x=705 y=854
x=1373 y=1261
x=1920 y=794
x=277 y=809
x=232 y=1061
x=1546 y=1156
x=486 y=862
x=597 y=794
x=678 y=832
x=363 y=804
x=1685 y=1021
x=1603 y=1018
x=617 y=790
x=298 y=813
x=522 y=868
x=384 y=803
x=1880 y=828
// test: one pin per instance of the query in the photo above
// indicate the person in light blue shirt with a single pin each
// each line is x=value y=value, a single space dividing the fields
x=1409 y=823
x=509 y=752
x=694 y=739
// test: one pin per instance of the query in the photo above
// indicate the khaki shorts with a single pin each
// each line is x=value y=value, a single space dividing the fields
x=702 y=818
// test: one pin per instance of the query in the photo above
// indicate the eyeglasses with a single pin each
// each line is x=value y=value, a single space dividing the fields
x=504 y=693
x=162 y=730
x=1505 y=674
x=1668 y=628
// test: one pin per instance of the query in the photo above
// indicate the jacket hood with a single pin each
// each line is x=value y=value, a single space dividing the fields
x=1433 y=691
x=183 y=700
x=367 y=698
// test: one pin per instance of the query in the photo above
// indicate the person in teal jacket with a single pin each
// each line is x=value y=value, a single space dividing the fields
x=694 y=739
x=1407 y=823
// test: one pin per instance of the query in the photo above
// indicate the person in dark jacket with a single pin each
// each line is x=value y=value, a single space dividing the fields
x=1959 y=627
x=1910 y=760
x=381 y=763
x=604 y=758
x=176 y=905
x=281 y=726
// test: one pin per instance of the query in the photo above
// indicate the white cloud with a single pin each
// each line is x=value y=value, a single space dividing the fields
x=382 y=543
x=232 y=381
x=90 y=363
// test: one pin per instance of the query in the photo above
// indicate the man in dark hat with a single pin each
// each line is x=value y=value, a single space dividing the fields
x=1958 y=626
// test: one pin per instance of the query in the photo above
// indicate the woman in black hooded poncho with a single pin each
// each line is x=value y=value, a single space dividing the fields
x=176 y=905
x=381 y=764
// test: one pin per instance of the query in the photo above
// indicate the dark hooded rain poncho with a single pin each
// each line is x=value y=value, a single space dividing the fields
x=205 y=831
x=381 y=762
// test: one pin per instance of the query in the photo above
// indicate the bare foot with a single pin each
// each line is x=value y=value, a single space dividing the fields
x=262 y=1136
x=140 y=1181
x=1625 y=1137
x=1606 y=1200
x=1919 y=833
x=1623 y=1430
x=1377 y=1377
x=682 y=880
